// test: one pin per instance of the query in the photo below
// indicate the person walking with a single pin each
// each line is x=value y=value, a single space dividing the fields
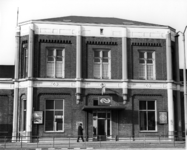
x=80 y=133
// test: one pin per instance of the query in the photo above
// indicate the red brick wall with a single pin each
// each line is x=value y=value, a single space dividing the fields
x=88 y=55
x=133 y=57
x=6 y=112
x=53 y=41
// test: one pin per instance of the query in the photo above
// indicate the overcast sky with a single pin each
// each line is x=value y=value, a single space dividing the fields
x=165 y=12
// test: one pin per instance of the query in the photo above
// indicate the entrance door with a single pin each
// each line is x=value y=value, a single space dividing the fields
x=101 y=125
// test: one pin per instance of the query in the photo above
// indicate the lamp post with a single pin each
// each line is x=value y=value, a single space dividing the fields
x=184 y=79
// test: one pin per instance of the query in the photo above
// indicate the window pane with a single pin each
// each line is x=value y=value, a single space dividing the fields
x=102 y=115
x=24 y=104
x=141 y=54
x=151 y=105
x=105 y=53
x=58 y=104
x=149 y=61
x=149 y=72
x=108 y=115
x=151 y=120
x=50 y=69
x=50 y=59
x=59 y=59
x=59 y=123
x=49 y=121
x=59 y=53
x=58 y=69
x=105 y=71
x=49 y=104
x=50 y=52
x=142 y=72
x=142 y=105
x=59 y=113
x=108 y=127
x=149 y=55
x=105 y=60
x=96 y=60
x=95 y=102
x=141 y=61
x=24 y=120
x=96 y=71
x=96 y=53
x=143 y=120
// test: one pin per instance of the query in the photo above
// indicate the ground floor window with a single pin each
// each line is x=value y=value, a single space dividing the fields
x=147 y=115
x=54 y=115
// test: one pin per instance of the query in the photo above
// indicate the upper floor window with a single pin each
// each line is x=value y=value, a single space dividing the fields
x=147 y=115
x=147 y=65
x=54 y=115
x=24 y=63
x=55 y=62
x=101 y=69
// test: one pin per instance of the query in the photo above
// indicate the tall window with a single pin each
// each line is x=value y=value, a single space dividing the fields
x=24 y=111
x=147 y=113
x=101 y=69
x=24 y=62
x=54 y=115
x=55 y=62
x=147 y=65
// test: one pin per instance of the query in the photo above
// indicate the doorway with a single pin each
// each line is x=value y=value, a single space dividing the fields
x=101 y=125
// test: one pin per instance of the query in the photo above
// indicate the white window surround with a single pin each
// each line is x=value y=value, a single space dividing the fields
x=147 y=65
x=99 y=62
x=54 y=110
x=146 y=110
x=55 y=63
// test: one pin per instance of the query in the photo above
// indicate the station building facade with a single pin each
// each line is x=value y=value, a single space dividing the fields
x=118 y=77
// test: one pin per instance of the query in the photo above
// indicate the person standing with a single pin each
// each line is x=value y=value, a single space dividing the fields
x=80 y=133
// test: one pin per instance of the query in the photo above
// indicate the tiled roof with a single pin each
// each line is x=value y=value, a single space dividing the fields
x=98 y=20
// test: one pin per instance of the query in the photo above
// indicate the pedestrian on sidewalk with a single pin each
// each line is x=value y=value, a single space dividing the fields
x=80 y=133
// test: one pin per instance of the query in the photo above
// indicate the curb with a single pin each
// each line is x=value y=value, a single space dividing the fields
x=64 y=148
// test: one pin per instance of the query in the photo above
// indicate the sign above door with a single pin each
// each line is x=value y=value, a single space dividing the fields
x=104 y=100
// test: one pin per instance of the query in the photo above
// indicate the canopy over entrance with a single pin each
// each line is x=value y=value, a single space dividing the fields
x=87 y=108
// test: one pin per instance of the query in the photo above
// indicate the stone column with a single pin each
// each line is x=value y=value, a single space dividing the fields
x=30 y=84
x=78 y=64
x=124 y=65
x=169 y=86
x=16 y=86
x=179 y=106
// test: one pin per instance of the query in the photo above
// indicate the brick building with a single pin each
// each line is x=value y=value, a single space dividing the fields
x=118 y=77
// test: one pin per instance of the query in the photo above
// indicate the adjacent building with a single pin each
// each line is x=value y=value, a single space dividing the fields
x=118 y=77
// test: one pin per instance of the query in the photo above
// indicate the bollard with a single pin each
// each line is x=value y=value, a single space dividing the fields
x=21 y=141
x=100 y=139
x=53 y=141
x=37 y=141
x=5 y=142
x=69 y=142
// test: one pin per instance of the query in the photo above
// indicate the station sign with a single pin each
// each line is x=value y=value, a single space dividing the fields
x=104 y=100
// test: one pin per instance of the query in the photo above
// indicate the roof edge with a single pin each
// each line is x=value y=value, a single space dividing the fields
x=88 y=24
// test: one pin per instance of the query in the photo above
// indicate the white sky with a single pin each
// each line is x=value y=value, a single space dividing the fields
x=165 y=12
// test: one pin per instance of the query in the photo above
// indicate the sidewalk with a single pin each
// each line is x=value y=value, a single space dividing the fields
x=103 y=145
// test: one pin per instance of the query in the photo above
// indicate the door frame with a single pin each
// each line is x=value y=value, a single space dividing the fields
x=103 y=111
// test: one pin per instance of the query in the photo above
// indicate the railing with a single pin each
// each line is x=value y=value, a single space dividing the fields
x=138 y=141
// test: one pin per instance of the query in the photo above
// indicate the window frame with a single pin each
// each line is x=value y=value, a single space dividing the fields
x=146 y=64
x=24 y=120
x=146 y=110
x=101 y=62
x=54 y=114
x=24 y=63
x=55 y=61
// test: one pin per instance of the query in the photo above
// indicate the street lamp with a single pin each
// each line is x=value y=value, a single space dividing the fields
x=184 y=79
